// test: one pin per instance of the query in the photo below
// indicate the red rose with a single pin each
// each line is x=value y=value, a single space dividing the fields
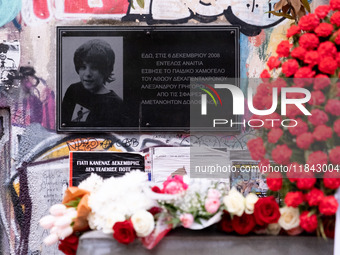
x=299 y=53
x=309 y=22
x=274 y=135
x=174 y=185
x=333 y=107
x=336 y=127
x=293 y=30
x=265 y=75
x=334 y=4
x=308 y=223
x=290 y=67
x=322 y=133
x=335 y=19
x=322 y=11
x=256 y=148
x=69 y=245
x=307 y=182
x=225 y=224
x=328 y=205
x=299 y=129
x=283 y=48
x=274 y=181
x=309 y=41
x=317 y=98
x=324 y=30
x=321 y=81
x=273 y=62
x=281 y=154
x=317 y=157
x=155 y=210
x=156 y=189
x=314 y=197
x=266 y=211
x=318 y=117
x=294 y=198
x=304 y=140
x=312 y=58
x=331 y=180
x=327 y=49
x=328 y=65
x=244 y=224
x=334 y=155
x=124 y=232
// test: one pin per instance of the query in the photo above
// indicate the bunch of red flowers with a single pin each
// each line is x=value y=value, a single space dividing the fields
x=310 y=147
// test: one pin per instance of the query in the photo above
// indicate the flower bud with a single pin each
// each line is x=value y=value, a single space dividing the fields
x=63 y=222
x=51 y=239
x=65 y=232
x=58 y=209
x=47 y=222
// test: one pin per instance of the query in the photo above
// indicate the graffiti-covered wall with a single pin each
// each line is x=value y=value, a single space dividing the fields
x=33 y=156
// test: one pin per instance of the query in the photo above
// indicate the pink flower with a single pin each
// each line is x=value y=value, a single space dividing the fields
x=321 y=81
x=322 y=133
x=333 y=107
x=174 y=185
x=274 y=135
x=304 y=140
x=214 y=194
x=299 y=129
x=186 y=219
x=317 y=98
x=317 y=157
x=281 y=154
x=211 y=205
x=318 y=117
x=336 y=127
x=334 y=155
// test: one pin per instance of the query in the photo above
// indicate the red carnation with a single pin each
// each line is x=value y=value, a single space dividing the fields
x=304 y=140
x=307 y=182
x=281 y=154
x=266 y=211
x=292 y=111
x=321 y=81
x=256 y=148
x=314 y=197
x=303 y=77
x=293 y=30
x=290 y=67
x=279 y=83
x=275 y=120
x=69 y=245
x=322 y=133
x=322 y=11
x=274 y=181
x=299 y=53
x=336 y=127
x=318 y=117
x=334 y=4
x=263 y=89
x=294 y=198
x=328 y=205
x=333 y=107
x=328 y=65
x=324 y=30
x=124 y=232
x=327 y=49
x=335 y=19
x=312 y=58
x=265 y=75
x=317 y=98
x=331 y=180
x=308 y=222
x=309 y=41
x=299 y=129
x=274 y=135
x=273 y=62
x=244 y=224
x=317 y=157
x=283 y=48
x=334 y=155
x=309 y=22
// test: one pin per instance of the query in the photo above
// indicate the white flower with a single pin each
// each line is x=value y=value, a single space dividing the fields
x=51 y=239
x=273 y=229
x=143 y=223
x=250 y=201
x=92 y=183
x=290 y=218
x=63 y=221
x=234 y=202
x=58 y=209
x=65 y=232
x=47 y=222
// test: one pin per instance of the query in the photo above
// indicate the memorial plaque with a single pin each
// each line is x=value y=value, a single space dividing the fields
x=104 y=164
x=154 y=69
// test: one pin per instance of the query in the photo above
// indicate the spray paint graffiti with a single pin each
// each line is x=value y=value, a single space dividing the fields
x=250 y=15
x=9 y=9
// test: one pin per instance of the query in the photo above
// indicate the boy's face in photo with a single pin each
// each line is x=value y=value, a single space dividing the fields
x=3 y=53
x=90 y=76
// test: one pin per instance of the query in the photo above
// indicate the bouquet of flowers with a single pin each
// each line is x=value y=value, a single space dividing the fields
x=309 y=145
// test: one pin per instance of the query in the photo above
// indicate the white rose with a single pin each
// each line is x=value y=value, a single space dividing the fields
x=234 y=202
x=143 y=223
x=251 y=200
x=290 y=218
x=273 y=229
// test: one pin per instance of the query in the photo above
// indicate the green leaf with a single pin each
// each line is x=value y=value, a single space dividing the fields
x=140 y=3
x=74 y=203
x=306 y=5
